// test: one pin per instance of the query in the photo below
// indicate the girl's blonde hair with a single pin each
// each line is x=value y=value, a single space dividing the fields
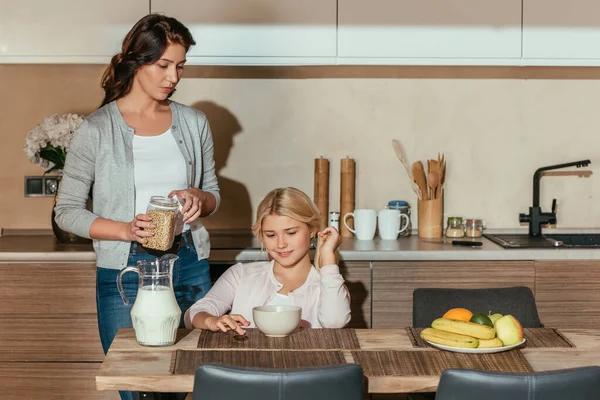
x=293 y=203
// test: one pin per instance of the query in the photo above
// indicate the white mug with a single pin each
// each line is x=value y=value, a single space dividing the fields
x=365 y=223
x=389 y=223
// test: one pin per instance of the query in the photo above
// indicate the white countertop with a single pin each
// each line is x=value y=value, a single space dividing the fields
x=40 y=246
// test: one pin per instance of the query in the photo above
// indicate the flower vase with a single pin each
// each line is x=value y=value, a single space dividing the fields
x=61 y=235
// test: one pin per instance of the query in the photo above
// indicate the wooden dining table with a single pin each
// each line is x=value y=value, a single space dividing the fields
x=130 y=366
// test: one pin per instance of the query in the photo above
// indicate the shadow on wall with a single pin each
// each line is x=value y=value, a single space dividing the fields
x=235 y=211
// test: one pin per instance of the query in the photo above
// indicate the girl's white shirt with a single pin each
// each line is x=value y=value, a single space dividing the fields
x=324 y=298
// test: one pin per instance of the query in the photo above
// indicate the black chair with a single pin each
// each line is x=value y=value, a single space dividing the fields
x=221 y=382
x=432 y=303
x=465 y=384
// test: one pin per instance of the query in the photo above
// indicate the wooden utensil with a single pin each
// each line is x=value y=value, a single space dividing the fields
x=402 y=158
x=419 y=177
x=433 y=181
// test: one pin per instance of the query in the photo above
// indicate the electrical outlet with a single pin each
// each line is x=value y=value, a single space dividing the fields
x=41 y=186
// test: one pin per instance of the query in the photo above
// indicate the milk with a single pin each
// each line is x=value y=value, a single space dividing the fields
x=155 y=316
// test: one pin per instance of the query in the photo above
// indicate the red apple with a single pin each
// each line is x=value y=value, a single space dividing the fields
x=509 y=330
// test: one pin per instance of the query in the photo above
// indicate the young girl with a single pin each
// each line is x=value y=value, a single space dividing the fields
x=286 y=221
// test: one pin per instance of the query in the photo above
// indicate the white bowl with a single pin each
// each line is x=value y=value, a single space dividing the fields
x=277 y=321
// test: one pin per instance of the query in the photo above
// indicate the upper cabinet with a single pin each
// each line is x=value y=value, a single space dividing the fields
x=561 y=32
x=429 y=32
x=257 y=31
x=66 y=30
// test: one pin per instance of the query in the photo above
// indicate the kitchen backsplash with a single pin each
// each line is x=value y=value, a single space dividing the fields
x=267 y=132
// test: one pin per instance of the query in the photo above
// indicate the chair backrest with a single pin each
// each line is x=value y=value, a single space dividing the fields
x=432 y=303
x=221 y=382
x=464 y=384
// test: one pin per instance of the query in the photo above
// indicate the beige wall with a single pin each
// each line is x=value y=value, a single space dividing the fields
x=494 y=130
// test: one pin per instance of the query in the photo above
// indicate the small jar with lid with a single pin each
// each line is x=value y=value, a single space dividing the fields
x=163 y=212
x=455 y=227
x=474 y=228
x=404 y=208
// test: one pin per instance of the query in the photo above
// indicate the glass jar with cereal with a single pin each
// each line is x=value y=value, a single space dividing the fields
x=163 y=212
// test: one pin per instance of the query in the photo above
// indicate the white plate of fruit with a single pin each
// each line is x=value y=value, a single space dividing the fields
x=461 y=331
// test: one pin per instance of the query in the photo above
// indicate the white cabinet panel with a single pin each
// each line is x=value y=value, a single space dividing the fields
x=246 y=31
x=561 y=32
x=59 y=30
x=429 y=29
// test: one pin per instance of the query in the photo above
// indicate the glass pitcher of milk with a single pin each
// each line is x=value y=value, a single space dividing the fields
x=155 y=313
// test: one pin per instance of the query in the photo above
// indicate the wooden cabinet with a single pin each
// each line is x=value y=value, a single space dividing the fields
x=257 y=31
x=358 y=281
x=429 y=32
x=567 y=293
x=49 y=342
x=394 y=283
x=66 y=30
x=561 y=32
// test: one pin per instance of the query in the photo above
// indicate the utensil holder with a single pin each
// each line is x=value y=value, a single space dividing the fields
x=431 y=217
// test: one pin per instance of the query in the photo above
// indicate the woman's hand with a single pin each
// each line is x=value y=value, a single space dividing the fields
x=139 y=229
x=226 y=323
x=330 y=240
x=192 y=200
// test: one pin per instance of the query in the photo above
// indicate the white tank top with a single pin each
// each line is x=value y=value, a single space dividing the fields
x=159 y=168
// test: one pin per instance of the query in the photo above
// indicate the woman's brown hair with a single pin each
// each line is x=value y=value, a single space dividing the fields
x=143 y=45
x=293 y=203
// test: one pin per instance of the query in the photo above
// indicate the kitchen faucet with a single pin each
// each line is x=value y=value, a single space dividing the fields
x=536 y=218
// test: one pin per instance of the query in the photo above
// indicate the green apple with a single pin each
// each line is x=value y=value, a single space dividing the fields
x=495 y=317
x=509 y=330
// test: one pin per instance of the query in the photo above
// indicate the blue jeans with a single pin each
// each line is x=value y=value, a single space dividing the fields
x=191 y=281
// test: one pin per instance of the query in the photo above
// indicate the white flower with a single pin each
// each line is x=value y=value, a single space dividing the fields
x=56 y=130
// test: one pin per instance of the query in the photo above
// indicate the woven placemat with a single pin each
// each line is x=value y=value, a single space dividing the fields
x=421 y=363
x=536 y=337
x=312 y=339
x=186 y=361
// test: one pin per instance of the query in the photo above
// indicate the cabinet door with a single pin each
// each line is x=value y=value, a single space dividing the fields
x=358 y=281
x=430 y=29
x=242 y=31
x=567 y=293
x=561 y=32
x=66 y=30
x=394 y=283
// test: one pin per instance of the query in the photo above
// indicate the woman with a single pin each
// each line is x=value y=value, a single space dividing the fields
x=139 y=144
x=286 y=221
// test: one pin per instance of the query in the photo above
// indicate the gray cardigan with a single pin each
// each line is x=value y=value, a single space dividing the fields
x=101 y=155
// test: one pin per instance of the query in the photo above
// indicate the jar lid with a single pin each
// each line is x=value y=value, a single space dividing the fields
x=456 y=220
x=164 y=201
x=397 y=203
x=473 y=221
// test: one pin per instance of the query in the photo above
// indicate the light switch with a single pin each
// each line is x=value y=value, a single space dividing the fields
x=38 y=186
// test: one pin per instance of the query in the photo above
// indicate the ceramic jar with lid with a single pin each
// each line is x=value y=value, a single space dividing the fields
x=455 y=227
x=404 y=208
x=474 y=227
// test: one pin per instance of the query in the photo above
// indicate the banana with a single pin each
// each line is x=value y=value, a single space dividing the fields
x=487 y=343
x=448 y=338
x=464 y=328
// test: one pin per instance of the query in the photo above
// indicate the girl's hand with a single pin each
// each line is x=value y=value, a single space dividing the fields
x=330 y=240
x=192 y=200
x=139 y=229
x=227 y=322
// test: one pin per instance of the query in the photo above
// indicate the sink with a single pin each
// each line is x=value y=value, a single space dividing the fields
x=550 y=240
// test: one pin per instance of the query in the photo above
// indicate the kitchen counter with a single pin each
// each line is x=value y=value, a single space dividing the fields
x=229 y=246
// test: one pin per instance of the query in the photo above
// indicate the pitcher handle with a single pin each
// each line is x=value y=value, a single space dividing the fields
x=120 y=281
